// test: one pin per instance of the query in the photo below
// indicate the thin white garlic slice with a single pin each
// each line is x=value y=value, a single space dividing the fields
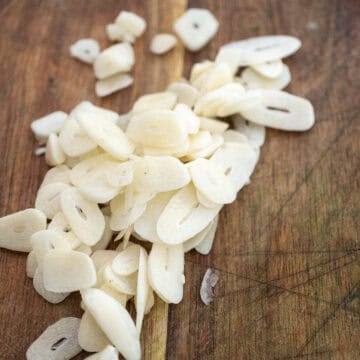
x=199 y=140
x=58 y=341
x=281 y=110
x=17 y=228
x=186 y=93
x=254 y=133
x=197 y=239
x=206 y=243
x=84 y=217
x=196 y=27
x=142 y=289
x=188 y=116
x=91 y=337
x=216 y=142
x=31 y=264
x=160 y=101
x=86 y=50
x=77 y=271
x=106 y=237
x=101 y=258
x=48 y=198
x=252 y=80
x=166 y=272
x=112 y=84
x=131 y=23
x=184 y=217
x=209 y=281
x=162 y=43
x=60 y=173
x=269 y=69
x=46 y=125
x=237 y=161
x=208 y=178
x=106 y=134
x=116 y=32
x=123 y=284
x=127 y=261
x=118 y=296
x=213 y=125
x=115 y=322
x=51 y=297
x=115 y=59
x=54 y=154
x=257 y=50
x=162 y=128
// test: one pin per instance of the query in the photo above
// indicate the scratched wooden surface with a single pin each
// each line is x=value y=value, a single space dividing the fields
x=287 y=250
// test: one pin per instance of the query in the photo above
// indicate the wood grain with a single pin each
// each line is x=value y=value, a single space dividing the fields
x=287 y=250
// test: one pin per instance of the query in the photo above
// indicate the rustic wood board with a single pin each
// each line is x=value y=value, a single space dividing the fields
x=287 y=250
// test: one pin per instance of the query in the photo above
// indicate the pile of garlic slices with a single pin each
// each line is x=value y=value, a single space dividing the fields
x=160 y=173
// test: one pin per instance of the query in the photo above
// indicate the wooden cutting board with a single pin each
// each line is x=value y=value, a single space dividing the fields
x=287 y=250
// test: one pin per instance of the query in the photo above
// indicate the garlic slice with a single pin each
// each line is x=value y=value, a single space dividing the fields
x=54 y=154
x=115 y=59
x=91 y=337
x=123 y=284
x=257 y=50
x=131 y=23
x=213 y=125
x=281 y=110
x=86 y=50
x=254 y=133
x=235 y=136
x=188 y=116
x=58 y=341
x=196 y=27
x=115 y=322
x=46 y=125
x=31 y=264
x=184 y=217
x=101 y=258
x=210 y=180
x=186 y=93
x=206 y=243
x=166 y=272
x=84 y=217
x=160 y=101
x=17 y=228
x=162 y=128
x=127 y=261
x=48 y=198
x=209 y=281
x=112 y=84
x=162 y=43
x=60 y=173
x=270 y=69
x=106 y=237
x=216 y=142
x=77 y=271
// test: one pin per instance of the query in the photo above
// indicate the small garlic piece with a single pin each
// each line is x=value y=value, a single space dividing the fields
x=112 y=84
x=86 y=50
x=162 y=43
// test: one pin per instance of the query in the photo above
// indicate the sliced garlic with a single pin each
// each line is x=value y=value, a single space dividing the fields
x=60 y=173
x=142 y=289
x=234 y=136
x=54 y=154
x=115 y=59
x=48 y=198
x=209 y=179
x=84 y=217
x=91 y=337
x=127 y=261
x=105 y=133
x=257 y=50
x=281 y=110
x=270 y=69
x=101 y=258
x=145 y=225
x=197 y=239
x=91 y=177
x=206 y=243
x=161 y=100
x=46 y=125
x=58 y=341
x=16 y=229
x=40 y=151
x=77 y=271
x=200 y=69
x=51 y=297
x=118 y=296
x=216 y=142
x=162 y=43
x=184 y=217
x=115 y=322
x=31 y=264
x=108 y=353
x=159 y=174
x=162 y=128
x=196 y=28
x=254 y=133
x=209 y=281
x=166 y=272
x=85 y=249
x=199 y=140
x=86 y=50
x=122 y=284
x=186 y=93
x=187 y=115
x=132 y=23
x=112 y=84
x=106 y=237
x=237 y=161
x=213 y=125
x=252 y=80
x=116 y=32
x=203 y=200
